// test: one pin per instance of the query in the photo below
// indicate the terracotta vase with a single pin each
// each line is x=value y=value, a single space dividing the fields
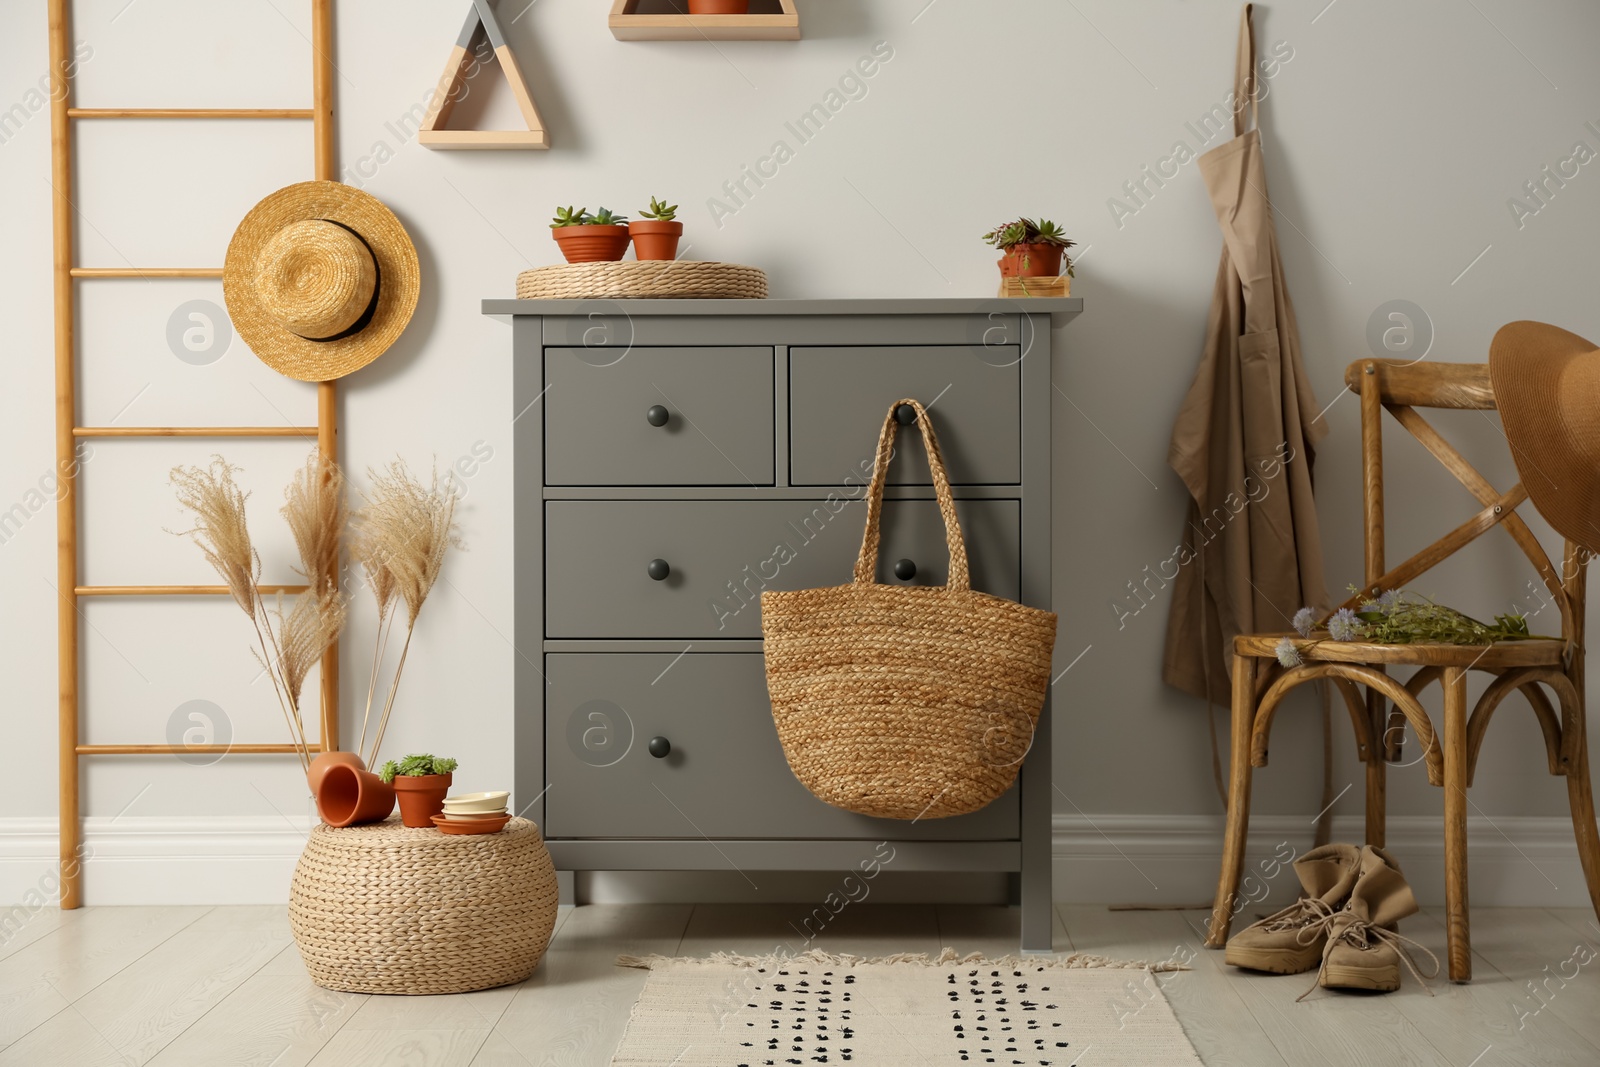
x=719 y=7
x=1031 y=261
x=421 y=797
x=591 y=244
x=320 y=765
x=655 y=239
x=348 y=796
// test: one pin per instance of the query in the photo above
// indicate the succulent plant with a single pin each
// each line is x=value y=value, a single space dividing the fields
x=566 y=216
x=1026 y=231
x=417 y=765
x=606 y=217
x=660 y=211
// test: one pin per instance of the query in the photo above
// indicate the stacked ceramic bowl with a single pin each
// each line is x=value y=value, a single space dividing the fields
x=474 y=813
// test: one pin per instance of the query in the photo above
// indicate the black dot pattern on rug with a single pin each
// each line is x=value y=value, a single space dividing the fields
x=809 y=1023
x=802 y=1015
x=993 y=1018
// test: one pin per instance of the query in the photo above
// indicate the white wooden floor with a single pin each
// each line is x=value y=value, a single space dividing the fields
x=216 y=987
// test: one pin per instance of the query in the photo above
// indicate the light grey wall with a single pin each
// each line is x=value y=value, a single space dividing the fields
x=1395 y=135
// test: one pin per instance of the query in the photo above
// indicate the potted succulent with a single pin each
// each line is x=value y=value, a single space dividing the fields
x=656 y=235
x=420 y=783
x=585 y=238
x=1032 y=249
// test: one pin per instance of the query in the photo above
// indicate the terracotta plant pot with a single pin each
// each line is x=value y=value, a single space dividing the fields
x=349 y=797
x=320 y=765
x=719 y=7
x=421 y=797
x=591 y=244
x=1031 y=261
x=654 y=239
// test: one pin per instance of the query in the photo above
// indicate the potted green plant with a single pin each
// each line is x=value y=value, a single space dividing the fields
x=1032 y=249
x=656 y=235
x=420 y=782
x=585 y=238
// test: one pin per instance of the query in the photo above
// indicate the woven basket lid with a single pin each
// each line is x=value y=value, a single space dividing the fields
x=320 y=279
x=667 y=279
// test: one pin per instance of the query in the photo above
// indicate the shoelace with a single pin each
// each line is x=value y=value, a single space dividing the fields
x=1305 y=912
x=1361 y=934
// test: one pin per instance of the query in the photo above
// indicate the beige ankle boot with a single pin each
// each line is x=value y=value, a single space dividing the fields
x=1274 y=944
x=1363 y=948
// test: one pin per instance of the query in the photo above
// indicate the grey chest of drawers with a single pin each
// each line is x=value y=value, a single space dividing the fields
x=674 y=459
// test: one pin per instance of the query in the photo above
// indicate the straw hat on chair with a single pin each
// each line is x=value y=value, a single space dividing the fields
x=320 y=279
x=1547 y=387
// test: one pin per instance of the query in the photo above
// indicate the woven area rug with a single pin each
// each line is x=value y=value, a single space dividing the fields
x=816 y=1008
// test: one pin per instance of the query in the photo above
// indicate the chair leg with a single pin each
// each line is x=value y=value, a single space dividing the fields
x=1377 y=797
x=1455 y=824
x=1377 y=770
x=1580 y=793
x=1243 y=719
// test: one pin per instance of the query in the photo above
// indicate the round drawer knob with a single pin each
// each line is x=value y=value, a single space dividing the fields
x=660 y=747
x=659 y=569
x=657 y=415
x=905 y=570
x=905 y=414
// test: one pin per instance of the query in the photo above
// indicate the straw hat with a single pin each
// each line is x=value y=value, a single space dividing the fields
x=320 y=279
x=1547 y=387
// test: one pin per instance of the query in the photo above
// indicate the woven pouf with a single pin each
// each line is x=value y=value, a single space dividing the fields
x=386 y=909
x=681 y=279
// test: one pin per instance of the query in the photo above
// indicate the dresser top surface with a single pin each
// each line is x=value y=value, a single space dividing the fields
x=1060 y=309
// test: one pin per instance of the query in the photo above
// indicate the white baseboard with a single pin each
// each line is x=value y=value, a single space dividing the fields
x=158 y=860
x=1514 y=861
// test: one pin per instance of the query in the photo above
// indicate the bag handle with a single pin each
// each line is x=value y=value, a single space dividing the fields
x=867 y=562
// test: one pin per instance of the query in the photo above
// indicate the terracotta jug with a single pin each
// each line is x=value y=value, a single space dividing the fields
x=421 y=797
x=348 y=796
x=320 y=765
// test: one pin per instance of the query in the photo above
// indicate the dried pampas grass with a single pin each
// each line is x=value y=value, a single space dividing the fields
x=402 y=532
x=289 y=642
x=314 y=507
x=220 y=529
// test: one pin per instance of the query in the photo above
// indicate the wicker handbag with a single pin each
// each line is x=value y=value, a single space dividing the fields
x=905 y=702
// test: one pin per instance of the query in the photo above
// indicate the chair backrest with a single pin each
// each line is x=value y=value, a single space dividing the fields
x=1401 y=388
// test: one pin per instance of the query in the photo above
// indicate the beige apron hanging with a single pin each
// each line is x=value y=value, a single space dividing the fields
x=1252 y=554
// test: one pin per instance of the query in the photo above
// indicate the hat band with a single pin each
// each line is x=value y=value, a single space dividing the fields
x=372 y=305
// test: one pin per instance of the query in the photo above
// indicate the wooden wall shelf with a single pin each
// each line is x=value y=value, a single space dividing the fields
x=628 y=23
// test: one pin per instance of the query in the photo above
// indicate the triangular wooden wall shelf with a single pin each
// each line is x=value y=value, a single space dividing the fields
x=480 y=19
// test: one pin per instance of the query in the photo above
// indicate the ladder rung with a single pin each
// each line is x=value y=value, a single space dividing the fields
x=146 y=272
x=176 y=590
x=194 y=431
x=189 y=113
x=199 y=750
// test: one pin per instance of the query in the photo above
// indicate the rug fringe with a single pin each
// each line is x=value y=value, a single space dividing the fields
x=1076 y=961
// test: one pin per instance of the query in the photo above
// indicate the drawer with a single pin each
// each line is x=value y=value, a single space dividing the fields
x=838 y=396
x=722 y=553
x=718 y=405
x=726 y=776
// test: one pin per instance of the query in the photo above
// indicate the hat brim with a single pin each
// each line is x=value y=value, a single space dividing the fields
x=399 y=280
x=1557 y=456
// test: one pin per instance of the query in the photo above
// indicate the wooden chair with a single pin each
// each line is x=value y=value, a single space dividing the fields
x=1360 y=670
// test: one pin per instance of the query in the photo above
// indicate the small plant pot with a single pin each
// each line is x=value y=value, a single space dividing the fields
x=320 y=765
x=591 y=244
x=654 y=239
x=421 y=797
x=719 y=7
x=348 y=797
x=1031 y=261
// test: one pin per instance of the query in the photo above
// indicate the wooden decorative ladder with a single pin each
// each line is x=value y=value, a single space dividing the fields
x=69 y=592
